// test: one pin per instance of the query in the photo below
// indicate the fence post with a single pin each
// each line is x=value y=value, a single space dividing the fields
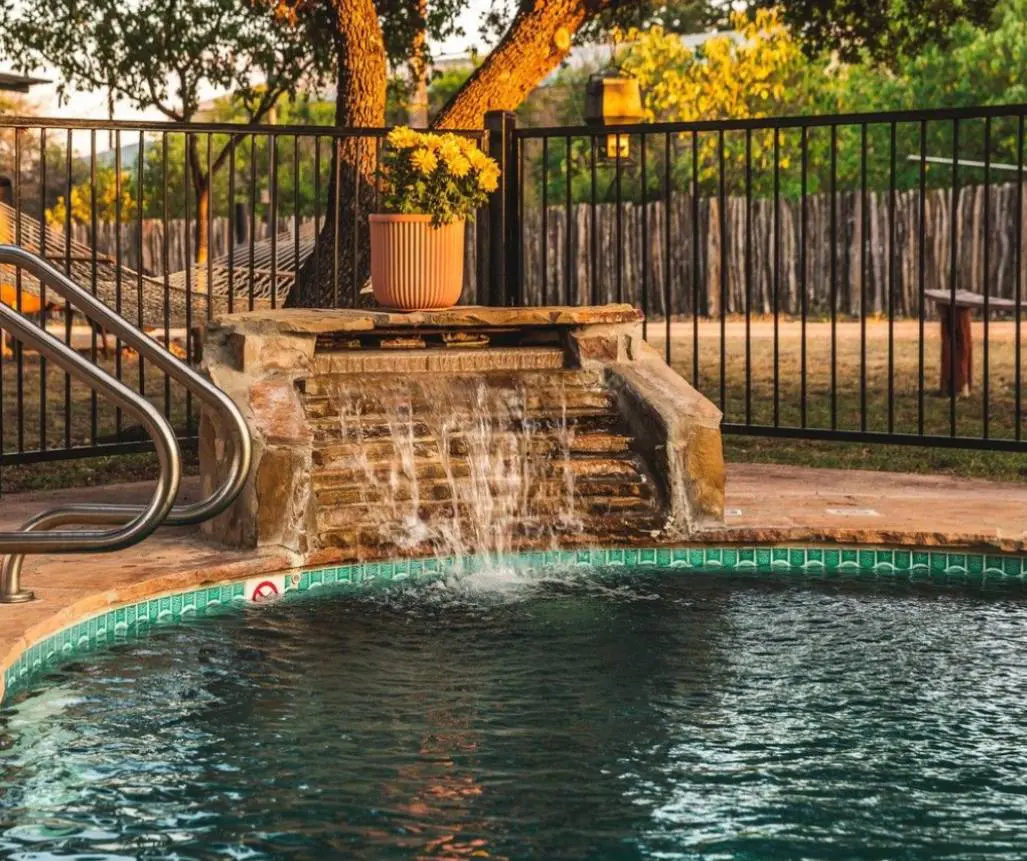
x=498 y=243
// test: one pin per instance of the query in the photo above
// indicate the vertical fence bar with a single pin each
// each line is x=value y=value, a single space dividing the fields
x=722 y=228
x=545 y=221
x=317 y=210
x=921 y=274
x=567 y=220
x=118 y=298
x=355 y=227
x=620 y=224
x=748 y=276
x=864 y=226
x=516 y=240
x=295 y=208
x=93 y=398
x=593 y=270
x=776 y=278
x=251 y=292
x=67 y=272
x=891 y=280
x=695 y=259
x=209 y=191
x=189 y=269
x=985 y=281
x=804 y=300
x=165 y=247
x=377 y=171
x=19 y=352
x=272 y=215
x=668 y=295
x=251 y=288
x=233 y=225
x=140 y=163
x=1018 y=279
x=645 y=240
x=336 y=215
x=42 y=287
x=953 y=275
x=498 y=245
x=833 y=251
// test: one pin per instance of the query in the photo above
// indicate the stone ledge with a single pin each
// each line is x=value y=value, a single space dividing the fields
x=677 y=430
x=301 y=321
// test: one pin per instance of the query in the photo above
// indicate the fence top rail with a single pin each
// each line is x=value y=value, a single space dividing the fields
x=242 y=129
x=813 y=120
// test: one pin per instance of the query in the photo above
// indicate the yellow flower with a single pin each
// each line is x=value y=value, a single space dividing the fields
x=459 y=166
x=477 y=158
x=424 y=160
x=449 y=149
x=488 y=179
x=430 y=141
x=403 y=137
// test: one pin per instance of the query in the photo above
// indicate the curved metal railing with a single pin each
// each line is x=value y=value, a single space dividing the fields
x=136 y=521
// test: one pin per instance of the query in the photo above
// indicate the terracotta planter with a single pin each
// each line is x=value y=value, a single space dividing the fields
x=414 y=266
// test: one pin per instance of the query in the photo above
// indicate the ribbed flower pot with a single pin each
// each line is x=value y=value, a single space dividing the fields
x=414 y=266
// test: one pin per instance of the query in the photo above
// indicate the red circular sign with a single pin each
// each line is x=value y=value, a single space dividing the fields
x=266 y=591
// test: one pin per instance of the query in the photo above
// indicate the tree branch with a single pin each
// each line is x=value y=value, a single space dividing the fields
x=537 y=40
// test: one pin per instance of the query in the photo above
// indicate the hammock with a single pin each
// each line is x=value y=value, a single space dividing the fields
x=175 y=300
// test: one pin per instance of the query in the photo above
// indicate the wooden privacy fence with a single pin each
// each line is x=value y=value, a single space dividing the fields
x=701 y=252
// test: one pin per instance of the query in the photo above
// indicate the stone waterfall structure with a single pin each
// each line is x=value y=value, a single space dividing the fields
x=469 y=430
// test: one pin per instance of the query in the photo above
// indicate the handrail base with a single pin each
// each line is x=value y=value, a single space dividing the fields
x=21 y=597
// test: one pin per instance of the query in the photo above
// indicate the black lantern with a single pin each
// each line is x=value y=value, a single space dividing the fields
x=613 y=99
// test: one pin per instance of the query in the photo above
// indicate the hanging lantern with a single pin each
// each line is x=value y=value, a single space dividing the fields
x=613 y=99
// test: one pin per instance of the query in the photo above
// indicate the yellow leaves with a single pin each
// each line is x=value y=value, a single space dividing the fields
x=746 y=74
x=108 y=206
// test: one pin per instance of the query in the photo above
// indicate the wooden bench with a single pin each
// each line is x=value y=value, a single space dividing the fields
x=957 y=340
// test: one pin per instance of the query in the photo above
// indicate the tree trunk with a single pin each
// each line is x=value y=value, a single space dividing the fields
x=202 y=223
x=201 y=188
x=538 y=39
x=338 y=268
x=417 y=110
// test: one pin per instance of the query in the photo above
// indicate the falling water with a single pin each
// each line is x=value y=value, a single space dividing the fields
x=468 y=465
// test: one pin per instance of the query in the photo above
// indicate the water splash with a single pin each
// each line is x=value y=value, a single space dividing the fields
x=459 y=465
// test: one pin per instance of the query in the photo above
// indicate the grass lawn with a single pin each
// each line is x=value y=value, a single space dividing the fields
x=848 y=397
x=51 y=420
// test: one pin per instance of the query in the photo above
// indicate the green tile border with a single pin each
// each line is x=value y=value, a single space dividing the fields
x=924 y=564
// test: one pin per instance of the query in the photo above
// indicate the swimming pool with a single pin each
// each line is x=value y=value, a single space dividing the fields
x=559 y=712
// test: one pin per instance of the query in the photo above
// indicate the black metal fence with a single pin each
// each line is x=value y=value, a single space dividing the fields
x=170 y=225
x=850 y=277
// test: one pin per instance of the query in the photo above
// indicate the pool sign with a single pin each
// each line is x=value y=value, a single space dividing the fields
x=260 y=590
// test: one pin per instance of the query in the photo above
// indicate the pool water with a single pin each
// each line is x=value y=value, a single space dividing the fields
x=617 y=716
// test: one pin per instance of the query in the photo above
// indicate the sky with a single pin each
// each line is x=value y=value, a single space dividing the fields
x=93 y=105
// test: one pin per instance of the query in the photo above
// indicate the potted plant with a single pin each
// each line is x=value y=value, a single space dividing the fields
x=431 y=183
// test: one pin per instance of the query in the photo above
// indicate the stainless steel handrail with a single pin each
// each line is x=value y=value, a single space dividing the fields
x=146 y=518
x=223 y=408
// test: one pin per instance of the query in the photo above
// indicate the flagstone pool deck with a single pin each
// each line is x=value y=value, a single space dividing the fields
x=766 y=504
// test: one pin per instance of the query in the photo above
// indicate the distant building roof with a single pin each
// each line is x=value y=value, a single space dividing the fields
x=18 y=83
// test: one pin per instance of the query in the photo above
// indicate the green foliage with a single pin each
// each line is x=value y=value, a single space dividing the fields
x=444 y=86
x=766 y=74
x=881 y=30
x=445 y=176
x=153 y=53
